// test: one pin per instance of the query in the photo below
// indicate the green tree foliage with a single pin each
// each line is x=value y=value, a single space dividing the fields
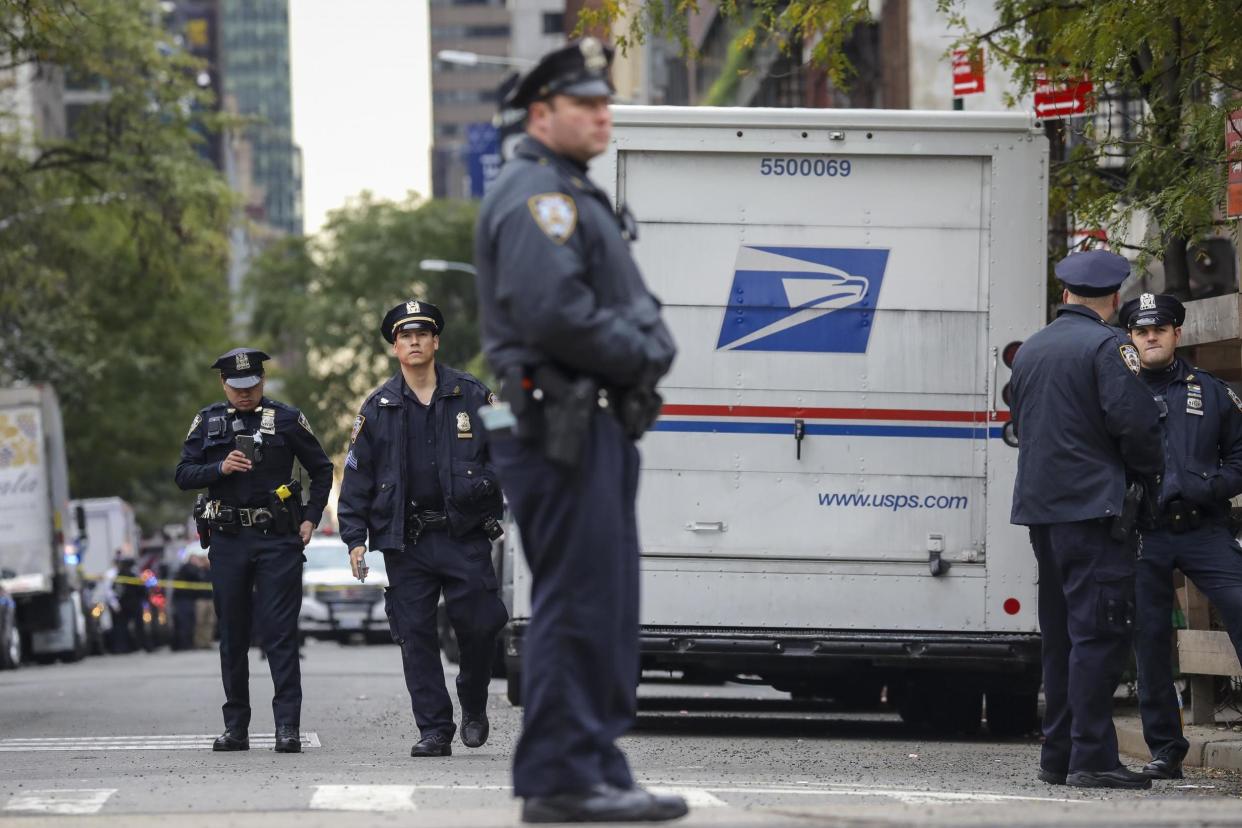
x=317 y=302
x=113 y=246
x=1182 y=59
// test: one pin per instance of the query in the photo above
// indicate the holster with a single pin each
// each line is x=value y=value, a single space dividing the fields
x=1125 y=523
x=638 y=409
x=287 y=508
x=553 y=409
x=200 y=520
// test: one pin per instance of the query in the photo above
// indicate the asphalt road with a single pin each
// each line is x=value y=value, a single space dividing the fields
x=124 y=740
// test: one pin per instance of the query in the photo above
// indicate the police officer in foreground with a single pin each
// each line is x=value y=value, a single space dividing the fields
x=242 y=452
x=1086 y=426
x=576 y=337
x=420 y=488
x=1190 y=531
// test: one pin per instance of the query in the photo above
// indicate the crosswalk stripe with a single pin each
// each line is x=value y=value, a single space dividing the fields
x=695 y=797
x=67 y=801
x=155 y=742
x=363 y=798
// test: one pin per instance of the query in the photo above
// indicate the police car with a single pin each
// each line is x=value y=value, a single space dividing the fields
x=335 y=605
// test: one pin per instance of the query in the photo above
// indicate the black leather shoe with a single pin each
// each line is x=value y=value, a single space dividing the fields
x=437 y=744
x=1118 y=777
x=474 y=729
x=603 y=803
x=288 y=740
x=231 y=740
x=1051 y=777
x=1163 y=768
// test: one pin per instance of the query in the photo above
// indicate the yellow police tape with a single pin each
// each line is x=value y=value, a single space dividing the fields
x=130 y=579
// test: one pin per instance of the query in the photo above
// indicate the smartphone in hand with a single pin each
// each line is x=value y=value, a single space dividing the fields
x=245 y=444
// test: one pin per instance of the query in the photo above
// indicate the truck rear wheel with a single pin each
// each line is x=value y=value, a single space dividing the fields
x=1011 y=713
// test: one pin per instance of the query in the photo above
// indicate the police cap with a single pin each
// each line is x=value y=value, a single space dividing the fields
x=579 y=69
x=241 y=367
x=1093 y=272
x=413 y=315
x=1152 y=309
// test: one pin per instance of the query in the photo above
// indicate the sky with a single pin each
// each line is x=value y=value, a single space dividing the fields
x=361 y=100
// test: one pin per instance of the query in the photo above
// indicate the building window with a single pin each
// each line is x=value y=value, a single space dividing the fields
x=553 y=23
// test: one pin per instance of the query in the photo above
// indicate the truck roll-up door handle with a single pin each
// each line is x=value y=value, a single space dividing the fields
x=707 y=526
x=799 y=433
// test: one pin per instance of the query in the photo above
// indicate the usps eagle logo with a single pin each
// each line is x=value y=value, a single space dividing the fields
x=808 y=299
x=241 y=362
x=556 y=214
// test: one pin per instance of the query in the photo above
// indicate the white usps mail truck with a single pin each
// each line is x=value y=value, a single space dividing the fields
x=824 y=504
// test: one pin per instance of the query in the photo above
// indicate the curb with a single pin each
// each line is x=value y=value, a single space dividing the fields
x=1209 y=747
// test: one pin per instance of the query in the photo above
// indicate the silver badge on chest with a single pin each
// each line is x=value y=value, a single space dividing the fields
x=463 y=426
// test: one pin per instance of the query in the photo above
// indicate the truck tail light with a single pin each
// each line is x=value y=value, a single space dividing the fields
x=1011 y=351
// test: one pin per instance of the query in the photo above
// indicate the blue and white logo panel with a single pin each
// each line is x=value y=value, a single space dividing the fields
x=810 y=299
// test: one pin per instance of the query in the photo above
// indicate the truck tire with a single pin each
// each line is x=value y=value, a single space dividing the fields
x=513 y=687
x=1012 y=713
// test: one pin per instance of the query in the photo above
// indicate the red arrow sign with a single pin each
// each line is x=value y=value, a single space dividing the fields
x=967 y=72
x=1061 y=99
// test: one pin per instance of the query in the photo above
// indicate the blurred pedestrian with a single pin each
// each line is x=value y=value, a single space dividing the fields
x=204 y=608
x=242 y=451
x=419 y=485
x=1085 y=424
x=578 y=342
x=185 y=602
x=128 y=627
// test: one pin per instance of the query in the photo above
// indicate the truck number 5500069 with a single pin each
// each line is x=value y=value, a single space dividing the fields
x=821 y=167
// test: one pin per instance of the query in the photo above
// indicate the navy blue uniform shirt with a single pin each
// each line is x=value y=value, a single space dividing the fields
x=284 y=434
x=376 y=485
x=421 y=471
x=557 y=280
x=1083 y=419
x=1203 y=435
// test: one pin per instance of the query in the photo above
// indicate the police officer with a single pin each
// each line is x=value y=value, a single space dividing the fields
x=1190 y=530
x=242 y=452
x=419 y=486
x=1084 y=423
x=576 y=337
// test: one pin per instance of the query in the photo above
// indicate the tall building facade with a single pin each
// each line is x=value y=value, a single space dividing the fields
x=254 y=77
x=464 y=98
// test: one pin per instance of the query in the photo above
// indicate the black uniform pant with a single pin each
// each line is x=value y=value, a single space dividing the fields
x=580 y=659
x=1086 y=612
x=463 y=570
x=256 y=584
x=1212 y=560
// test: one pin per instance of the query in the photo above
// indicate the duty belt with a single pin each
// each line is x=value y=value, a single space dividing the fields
x=223 y=516
x=418 y=521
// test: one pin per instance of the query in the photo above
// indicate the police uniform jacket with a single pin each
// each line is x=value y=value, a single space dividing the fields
x=373 y=491
x=557 y=280
x=1203 y=437
x=286 y=435
x=1083 y=418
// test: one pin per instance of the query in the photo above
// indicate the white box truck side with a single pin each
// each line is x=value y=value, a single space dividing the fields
x=825 y=499
x=34 y=522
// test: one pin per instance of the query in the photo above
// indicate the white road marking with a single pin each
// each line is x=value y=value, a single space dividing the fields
x=65 y=801
x=363 y=798
x=258 y=741
x=911 y=797
x=695 y=797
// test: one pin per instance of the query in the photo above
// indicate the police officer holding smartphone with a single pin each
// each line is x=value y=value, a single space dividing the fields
x=242 y=451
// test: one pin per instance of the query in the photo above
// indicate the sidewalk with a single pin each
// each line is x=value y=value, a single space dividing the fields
x=1209 y=746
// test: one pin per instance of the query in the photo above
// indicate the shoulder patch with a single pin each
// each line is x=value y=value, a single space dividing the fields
x=353 y=434
x=1234 y=397
x=198 y=418
x=556 y=214
x=304 y=424
x=1130 y=356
